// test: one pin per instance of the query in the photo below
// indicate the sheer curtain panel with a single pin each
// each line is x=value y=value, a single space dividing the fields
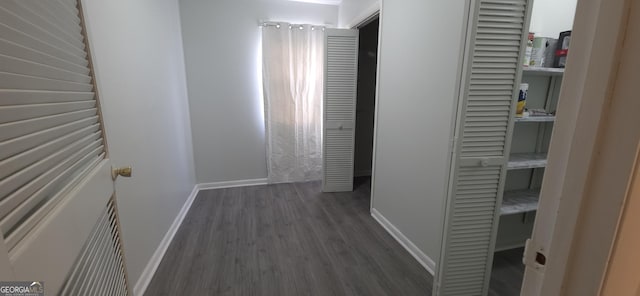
x=293 y=59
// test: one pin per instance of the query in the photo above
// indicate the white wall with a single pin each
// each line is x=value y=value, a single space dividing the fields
x=222 y=44
x=421 y=43
x=550 y=17
x=354 y=11
x=141 y=79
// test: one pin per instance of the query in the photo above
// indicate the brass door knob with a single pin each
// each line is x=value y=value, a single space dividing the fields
x=121 y=171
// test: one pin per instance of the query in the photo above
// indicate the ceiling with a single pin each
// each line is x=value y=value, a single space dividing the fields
x=325 y=2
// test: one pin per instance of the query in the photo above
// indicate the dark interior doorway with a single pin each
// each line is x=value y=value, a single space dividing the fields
x=366 y=96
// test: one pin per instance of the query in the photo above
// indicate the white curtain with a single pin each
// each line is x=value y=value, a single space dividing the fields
x=293 y=63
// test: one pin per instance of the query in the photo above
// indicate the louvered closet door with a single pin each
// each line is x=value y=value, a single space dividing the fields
x=341 y=75
x=55 y=179
x=495 y=46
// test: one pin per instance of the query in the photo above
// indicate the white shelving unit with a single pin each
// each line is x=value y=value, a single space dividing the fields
x=528 y=157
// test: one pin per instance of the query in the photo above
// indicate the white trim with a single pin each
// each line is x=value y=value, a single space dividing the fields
x=376 y=107
x=421 y=257
x=374 y=8
x=230 y=184
x=573 y=171
x=154 y=262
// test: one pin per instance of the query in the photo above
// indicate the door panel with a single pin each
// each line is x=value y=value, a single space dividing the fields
x=58 y=218
x=491 y=78
x=100 y=267
x=49 y=251
x=341 y=75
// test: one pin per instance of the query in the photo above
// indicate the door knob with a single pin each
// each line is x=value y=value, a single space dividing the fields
x=121 y=171
x=484 y=162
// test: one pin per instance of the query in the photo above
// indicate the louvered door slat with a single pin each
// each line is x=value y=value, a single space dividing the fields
x=24 y=112
x=56 y=188
x=26 y=97
x=27 y=199
x=19 y=23
x=493 y=66
x=339 y=109
x=55 y=11
x=98 y=269
x=22 y=160
x=26 y=175
x=31 y=68
x=28 y=15
x=21 y=52
x=16 y=145
x=48 y=10
x=24 y=127
x=26 y=40
x=49 y=123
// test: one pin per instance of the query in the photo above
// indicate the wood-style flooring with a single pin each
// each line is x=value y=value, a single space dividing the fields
x=507 y=273
x=286 y=239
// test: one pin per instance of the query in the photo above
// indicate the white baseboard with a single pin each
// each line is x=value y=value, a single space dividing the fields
x=230 y=184
x=421 y=257
x=154 y=262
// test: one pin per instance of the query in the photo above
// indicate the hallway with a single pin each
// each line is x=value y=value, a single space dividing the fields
x=286 y=239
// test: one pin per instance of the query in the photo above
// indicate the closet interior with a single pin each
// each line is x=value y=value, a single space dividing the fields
x=541 y=82
x=366 y=97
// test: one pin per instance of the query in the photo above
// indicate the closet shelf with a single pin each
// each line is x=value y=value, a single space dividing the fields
x=519 y=201
x=542 y=71
x=547 y=118
x=527 y=161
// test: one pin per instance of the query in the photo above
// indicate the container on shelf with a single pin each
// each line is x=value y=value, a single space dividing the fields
x=522 y=99
x=541 y=47
x=562 y=49
x=528 y=50
x=550 y=54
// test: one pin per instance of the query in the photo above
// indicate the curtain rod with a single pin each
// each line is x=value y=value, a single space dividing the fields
x=289 y=25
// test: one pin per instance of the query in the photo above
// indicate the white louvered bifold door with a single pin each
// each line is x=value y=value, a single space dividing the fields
x=493 y=62
x=341 y=76
x=49 y=125
x=54 y=175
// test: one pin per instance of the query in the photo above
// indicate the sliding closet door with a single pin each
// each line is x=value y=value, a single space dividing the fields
x=341 y=75
x=493 y=61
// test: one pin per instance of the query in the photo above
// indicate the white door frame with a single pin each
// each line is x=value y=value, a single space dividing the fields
x=366 y=14
x=376 y=100
x=575 y=168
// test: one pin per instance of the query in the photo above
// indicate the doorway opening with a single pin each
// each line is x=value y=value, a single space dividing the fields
x=365 y=101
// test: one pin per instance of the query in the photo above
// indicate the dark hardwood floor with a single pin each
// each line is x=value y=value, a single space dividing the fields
x=286 y=239
x=507 y=273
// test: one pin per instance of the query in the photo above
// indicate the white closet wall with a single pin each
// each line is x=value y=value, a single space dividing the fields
x=222 y=56
x=420 y=59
